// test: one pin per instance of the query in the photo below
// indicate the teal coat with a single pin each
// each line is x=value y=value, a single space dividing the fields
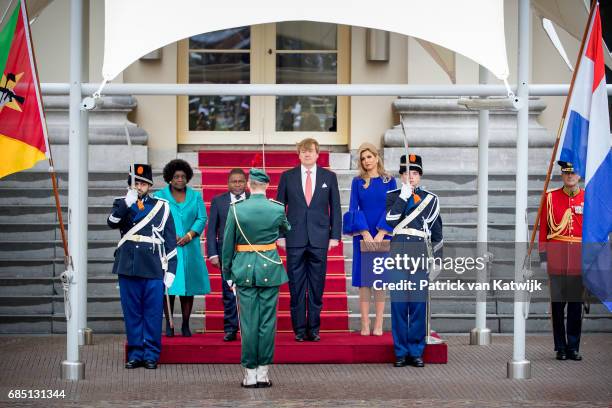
x=191 y=273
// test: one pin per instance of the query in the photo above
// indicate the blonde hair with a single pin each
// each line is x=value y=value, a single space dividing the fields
x=380 y=167
x=307 y=144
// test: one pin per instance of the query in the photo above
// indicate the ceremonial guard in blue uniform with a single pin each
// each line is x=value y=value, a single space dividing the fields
x=145 y=261
x=414 y=215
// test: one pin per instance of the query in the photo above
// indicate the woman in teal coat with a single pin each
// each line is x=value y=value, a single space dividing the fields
x=189 y=215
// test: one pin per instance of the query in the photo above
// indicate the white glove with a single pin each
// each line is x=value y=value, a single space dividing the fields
x=406 y=191
x=231 y=285
x=168 y=279
x=131 y=197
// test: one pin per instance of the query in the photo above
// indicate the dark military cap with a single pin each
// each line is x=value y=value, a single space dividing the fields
x=415 y=162
x=142 y=172
x=566 y=167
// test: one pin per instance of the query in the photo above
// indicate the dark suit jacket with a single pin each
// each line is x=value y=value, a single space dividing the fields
x=322 y=220
x=219 y=208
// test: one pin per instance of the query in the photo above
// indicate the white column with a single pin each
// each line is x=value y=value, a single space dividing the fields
x=480 y=334
x=85 y=334
x=72 y=368
x=519 y=367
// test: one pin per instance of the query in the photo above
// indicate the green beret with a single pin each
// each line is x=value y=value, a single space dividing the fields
x=259 y=175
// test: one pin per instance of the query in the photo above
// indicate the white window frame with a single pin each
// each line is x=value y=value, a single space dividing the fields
x=263 y=108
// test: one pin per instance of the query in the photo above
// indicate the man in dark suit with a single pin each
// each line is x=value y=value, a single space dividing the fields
x=219 y=207
x=310 y=194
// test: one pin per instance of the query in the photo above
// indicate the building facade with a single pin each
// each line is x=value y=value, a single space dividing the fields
x=288 y=52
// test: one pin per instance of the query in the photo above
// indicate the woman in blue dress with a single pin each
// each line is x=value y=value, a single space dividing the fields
x=365 y=220
x=189 y=215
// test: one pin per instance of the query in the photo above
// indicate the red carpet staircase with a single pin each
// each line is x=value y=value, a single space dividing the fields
x=338 y=345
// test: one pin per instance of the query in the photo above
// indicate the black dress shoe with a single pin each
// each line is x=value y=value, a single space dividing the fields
x=314 y=337
x=261 y=384
x=169 y=331
x=561 y=355
x=150 y=365
x=299 y=338
x=400 y=362
x=185 y=331
x=417 y=362
x=134 y=364
x=230 y=336
x=573 y=355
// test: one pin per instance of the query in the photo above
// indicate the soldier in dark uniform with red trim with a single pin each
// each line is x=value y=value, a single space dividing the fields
x=560 y=246
x=414 y=215
x=145 y=260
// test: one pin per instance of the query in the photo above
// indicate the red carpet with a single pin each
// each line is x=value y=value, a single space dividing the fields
x=334 y=348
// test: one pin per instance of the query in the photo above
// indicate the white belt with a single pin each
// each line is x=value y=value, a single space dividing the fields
x=142 y=238
x=412 y=231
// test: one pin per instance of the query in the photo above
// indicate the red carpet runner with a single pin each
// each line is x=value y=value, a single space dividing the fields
x=338 y=345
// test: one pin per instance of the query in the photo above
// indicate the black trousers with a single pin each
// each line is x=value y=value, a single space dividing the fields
x=306 y=268
x=566 y=290
x=230 y=313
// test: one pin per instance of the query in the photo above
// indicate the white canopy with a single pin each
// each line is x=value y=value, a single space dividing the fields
x=570 y=15
x=473 y=28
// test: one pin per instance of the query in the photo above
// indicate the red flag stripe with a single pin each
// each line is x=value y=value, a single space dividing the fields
x=594 y=49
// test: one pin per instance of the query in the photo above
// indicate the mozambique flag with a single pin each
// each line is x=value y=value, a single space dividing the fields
x=23 y=134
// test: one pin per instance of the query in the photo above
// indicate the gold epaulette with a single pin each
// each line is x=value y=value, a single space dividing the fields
x=276 y=202
x=556 y=228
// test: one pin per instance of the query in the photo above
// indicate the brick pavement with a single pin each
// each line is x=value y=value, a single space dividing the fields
x=475 y=376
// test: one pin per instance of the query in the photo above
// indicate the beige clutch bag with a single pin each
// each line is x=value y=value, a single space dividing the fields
x=384 y=246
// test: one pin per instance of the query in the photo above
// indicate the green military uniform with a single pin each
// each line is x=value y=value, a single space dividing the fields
x=250 y=260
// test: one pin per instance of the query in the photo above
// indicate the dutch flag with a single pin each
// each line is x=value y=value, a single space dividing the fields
x=586 y=142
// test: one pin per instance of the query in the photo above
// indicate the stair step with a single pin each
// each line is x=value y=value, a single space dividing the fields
x=250 y=158
x=329 y=321
x=333 y=284
x=338 y=302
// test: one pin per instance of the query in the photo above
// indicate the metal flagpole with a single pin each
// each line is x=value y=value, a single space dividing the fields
x=480 y=335
x=72 y=367
x=519 y=367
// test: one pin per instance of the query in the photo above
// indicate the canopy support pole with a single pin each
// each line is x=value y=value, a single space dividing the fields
x=480 y=335
x=73 y=368
x=519 y=367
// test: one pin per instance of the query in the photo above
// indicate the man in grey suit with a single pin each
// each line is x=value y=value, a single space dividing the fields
x=311 y=196
x=219 y=207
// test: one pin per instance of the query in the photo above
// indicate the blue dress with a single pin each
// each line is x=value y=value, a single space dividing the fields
x=191 y=273
x=366 y=211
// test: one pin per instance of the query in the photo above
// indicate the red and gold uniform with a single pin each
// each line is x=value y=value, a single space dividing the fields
x=561 y=231
x=560 y=245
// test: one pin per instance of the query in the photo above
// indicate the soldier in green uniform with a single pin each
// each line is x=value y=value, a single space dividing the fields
x=251 y=263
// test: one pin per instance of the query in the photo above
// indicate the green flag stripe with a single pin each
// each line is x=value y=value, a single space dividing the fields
x=6 y=38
